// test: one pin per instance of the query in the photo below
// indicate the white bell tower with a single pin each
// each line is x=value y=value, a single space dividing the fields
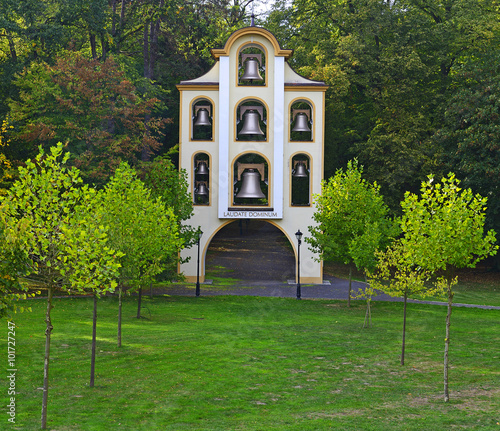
x=251 y=141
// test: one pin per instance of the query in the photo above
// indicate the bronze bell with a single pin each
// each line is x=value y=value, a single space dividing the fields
x=250 y=185
x=202 y=168
x=202 y=189
x=251 y=125
x=251 y=68
x=300 y=170
x=203 y=118
x=301 y=121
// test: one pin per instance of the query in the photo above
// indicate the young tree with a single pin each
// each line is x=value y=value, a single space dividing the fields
x=62 y=249
x=140 y=227
x=352 y=220
x=443 y=229
x=406 y=279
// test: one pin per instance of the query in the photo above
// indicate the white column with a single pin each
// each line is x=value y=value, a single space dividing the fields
x=223 y=174
x=279 y=138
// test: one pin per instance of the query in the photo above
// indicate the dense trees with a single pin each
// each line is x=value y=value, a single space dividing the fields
x=470 y=135
x=393 y=66
x=87 y=104
x=63 y=245
x=399 y=72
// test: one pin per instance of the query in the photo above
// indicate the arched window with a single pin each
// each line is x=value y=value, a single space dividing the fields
x=301 y=180
x=301 y=121
x=251 y=65
x=251 y=121
x=250 y=185
x=202 y=120
x=201 y=175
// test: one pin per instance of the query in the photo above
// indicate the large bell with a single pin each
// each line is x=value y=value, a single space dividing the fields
x=251 y=125
x=202 y=168
x=250 y=185
x=251 y=70
x=202 y=189
x=202 y=119
x=301 y=123
x=300 y=170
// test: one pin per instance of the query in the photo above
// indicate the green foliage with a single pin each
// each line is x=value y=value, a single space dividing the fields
x=443 y=229
x=352 y=223
x=171 y=185
x=5 y=163
x=12 y=268
x=47 y=210
x=390 y=67
x=141 y=227
x=352 y=219
x=89 y=105
x=62 y=245
x=398 y=275
x=470 y=135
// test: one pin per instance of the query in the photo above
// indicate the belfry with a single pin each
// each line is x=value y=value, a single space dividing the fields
x=251 y=141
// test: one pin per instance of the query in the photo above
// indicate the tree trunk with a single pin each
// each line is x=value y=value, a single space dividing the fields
x=120 y=315
x=48 y=332
x=113 y=18
x=147 y=56
x=404 y=330
x=122 y=14
x=368 y=315
x=94 y=336
x=93 y=46
x=447 y=343
x=153 y=41
x=350 y=286
x=104 y=47
x=139 y=303
x=12 y=47
x=145 y=50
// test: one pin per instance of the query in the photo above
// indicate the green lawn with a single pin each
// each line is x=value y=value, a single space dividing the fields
x=247 y=363
x=479 y=286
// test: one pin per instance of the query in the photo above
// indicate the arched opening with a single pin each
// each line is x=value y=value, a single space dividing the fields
x=257 y=167
x=301 y=121
x=202 y=128
x=251 y=121
x=253 y=250
x=252 y=65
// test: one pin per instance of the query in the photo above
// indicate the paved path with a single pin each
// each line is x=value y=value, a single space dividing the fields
x=254 y=251
x=334 y=288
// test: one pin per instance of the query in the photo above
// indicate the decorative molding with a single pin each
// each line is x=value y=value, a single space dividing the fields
x=251 y=31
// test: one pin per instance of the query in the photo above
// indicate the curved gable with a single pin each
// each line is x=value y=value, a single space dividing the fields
x=278 y=51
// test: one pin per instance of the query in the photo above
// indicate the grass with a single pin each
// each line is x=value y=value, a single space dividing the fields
x=479 y=286
x=248 y=363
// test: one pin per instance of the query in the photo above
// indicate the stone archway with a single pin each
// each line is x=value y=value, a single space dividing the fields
x=250 y=250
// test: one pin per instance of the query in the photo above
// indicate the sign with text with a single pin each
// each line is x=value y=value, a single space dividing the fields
x=251 y=213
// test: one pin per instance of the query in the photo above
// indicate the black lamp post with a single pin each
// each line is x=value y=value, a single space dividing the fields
x=298 y=234
x=199 y=233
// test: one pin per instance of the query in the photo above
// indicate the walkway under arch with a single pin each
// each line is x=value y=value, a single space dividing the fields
x=250 y=250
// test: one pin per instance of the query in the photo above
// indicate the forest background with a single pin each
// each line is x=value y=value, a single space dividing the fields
x=414 y=85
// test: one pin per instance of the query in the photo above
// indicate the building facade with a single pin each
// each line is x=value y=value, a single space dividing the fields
x=251 y=141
